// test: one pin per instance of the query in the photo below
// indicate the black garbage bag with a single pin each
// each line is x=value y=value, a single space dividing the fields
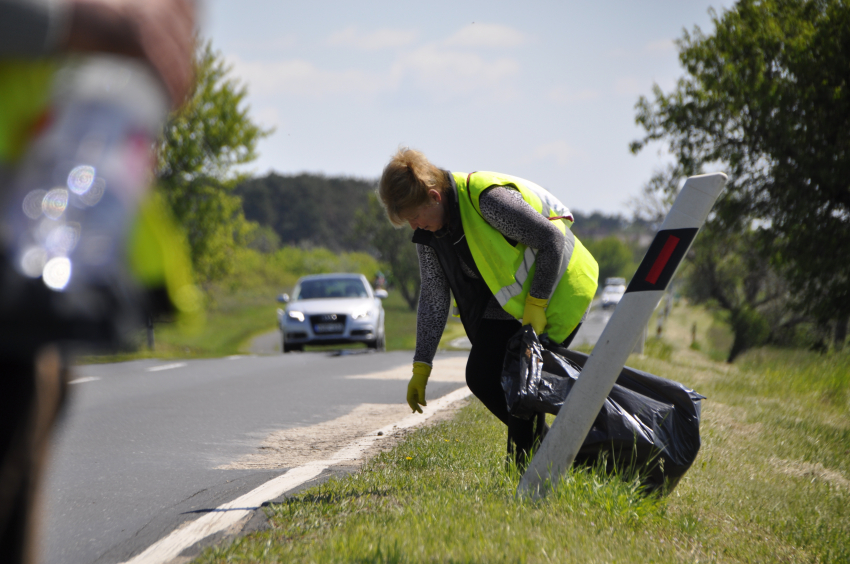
x=648 y=423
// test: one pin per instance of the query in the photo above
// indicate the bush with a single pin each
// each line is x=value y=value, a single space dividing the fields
x=613 y=256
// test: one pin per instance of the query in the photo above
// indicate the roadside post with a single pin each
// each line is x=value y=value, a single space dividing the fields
x=641 y=341
x=572 y=424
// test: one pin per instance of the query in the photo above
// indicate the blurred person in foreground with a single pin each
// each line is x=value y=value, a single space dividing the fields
x=35 y=36
x=502 y=247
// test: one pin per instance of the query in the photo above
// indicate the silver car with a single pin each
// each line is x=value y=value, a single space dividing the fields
x=332 y=309
x=613 y=292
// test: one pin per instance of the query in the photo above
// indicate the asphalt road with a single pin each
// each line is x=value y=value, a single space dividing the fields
x=136 y=452
x=592 y=327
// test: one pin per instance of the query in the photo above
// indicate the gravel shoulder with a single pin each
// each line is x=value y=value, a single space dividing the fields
x=293 y=447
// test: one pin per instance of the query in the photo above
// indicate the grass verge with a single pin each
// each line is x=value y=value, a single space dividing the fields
x=231 y=321
x=770 y=484
x=234 y=318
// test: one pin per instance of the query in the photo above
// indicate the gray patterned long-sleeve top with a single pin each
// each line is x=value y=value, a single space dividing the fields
x=505 y=210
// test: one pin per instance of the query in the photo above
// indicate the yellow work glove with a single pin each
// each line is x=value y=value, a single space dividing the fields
x=416 y=386
x=535 y=314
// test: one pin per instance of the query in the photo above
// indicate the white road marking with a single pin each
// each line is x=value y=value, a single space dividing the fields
x=224 y=516
x=84 y=380
x=166 y=366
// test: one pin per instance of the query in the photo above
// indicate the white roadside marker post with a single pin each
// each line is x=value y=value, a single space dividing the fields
x=672 y=242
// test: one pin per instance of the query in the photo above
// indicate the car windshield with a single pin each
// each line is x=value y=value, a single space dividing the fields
x=331 y=288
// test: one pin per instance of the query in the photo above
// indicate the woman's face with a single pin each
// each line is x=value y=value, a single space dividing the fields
x=430 y=216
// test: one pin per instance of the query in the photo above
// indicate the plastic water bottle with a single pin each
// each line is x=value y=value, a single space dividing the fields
x=81 y=180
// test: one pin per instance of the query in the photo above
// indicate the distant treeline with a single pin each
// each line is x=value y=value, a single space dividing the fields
x=316 y=210
x=307 y=209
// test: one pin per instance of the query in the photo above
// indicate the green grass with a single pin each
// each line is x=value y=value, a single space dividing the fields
x=445 y=496
x=399 y=323
x=235 y=317
x=771 y=483
x=242 y=304
x=231 y=321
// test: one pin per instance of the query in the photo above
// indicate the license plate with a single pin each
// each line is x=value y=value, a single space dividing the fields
x=329 y=327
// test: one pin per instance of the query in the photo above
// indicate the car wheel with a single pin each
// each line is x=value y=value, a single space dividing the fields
x=289 y=348
x=379 y=344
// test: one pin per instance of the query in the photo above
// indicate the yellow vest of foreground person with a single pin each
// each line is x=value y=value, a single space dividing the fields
x=509 y=269
x=24 y=99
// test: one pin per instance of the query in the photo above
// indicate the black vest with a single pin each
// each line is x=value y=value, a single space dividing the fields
x=471 y=294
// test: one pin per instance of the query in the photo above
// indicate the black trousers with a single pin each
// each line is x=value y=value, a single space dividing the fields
x=32 y=392
x=484 y=375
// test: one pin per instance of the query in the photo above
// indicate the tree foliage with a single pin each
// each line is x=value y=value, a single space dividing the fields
x=598 y=225
x=394 y=248
x=732 y=270
x=614 y=257
x=202 y=143
x=766 y=97
x=308 y=209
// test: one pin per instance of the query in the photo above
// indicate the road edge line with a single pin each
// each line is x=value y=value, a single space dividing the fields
x=228 y=514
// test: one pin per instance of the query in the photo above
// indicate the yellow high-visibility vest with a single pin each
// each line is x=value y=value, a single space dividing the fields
x=157 y=251
x=25 y=88
x=508 y=270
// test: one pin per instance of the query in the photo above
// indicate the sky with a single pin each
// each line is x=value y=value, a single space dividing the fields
x=541 y=90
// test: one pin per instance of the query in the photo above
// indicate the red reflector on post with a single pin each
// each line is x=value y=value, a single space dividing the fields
x=661 y=261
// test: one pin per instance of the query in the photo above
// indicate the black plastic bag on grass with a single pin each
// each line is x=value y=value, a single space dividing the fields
x=648 y=424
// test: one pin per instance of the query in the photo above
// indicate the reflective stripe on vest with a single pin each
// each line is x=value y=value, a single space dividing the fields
x=552 y=206
x=504 y=295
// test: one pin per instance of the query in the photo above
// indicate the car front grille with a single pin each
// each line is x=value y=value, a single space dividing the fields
x=328 y=324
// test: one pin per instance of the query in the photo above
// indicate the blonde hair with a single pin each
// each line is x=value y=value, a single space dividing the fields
x=406 y=181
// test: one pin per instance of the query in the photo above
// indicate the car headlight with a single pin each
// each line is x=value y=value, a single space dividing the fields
x=361 y=314
x=296 y=315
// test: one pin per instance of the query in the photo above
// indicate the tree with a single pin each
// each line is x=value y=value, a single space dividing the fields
x=308 y=209
x=394 y=248
x=767 y=98
x=731 y=269
x=613 y=256
x=202 y=143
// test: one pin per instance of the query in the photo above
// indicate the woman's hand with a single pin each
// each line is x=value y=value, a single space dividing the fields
x=535 y=314
x=416 y=386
